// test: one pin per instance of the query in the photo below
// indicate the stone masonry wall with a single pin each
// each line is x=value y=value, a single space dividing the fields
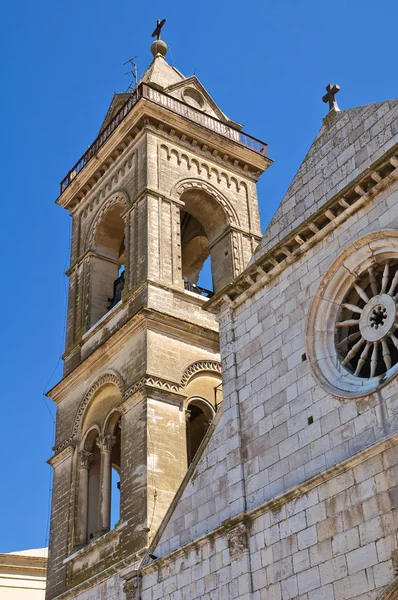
x=334 y=541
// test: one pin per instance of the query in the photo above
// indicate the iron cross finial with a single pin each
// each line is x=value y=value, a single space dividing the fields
x=332 y=89
x=159 y=25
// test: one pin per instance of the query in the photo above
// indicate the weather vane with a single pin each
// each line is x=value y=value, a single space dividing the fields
x=159 y=25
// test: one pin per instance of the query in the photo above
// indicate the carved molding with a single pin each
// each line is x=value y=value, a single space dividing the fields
x=195 y=163
x=106 y=442
x=132 y=588
x=148 y=380
x=113 y=378
x=198 y=184
x=197 y=366
x=237 y=541
x=86 y=459
x=151 y=381
x=119 y=197
x=64 y=453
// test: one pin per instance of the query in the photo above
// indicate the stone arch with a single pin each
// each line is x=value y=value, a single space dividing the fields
x=391 y=592
x=109 y=377
x=199 y=414
x=92 y=432
x=106 y=262
x=198 y=366
x=119 y=197
x=187 y=184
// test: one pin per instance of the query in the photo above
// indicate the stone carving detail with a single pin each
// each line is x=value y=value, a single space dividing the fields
x=106 y=442
x=161 y=384
x=237 y=541
x=102 y=380
x=367 y=344
x=132 y=589
x=199 y=365
x=192 y=163
x=86 y=459
x=149 y=380
x=202 y=185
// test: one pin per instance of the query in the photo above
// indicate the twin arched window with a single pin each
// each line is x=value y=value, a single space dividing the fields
x=100 y=458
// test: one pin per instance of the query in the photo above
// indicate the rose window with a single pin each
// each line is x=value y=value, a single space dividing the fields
x=352 y=334
x=367 y=324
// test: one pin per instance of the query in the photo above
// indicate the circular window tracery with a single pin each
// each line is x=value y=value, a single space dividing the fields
x=366 y=337
x=352 y=335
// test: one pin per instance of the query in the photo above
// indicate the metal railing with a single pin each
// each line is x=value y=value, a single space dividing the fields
x=174 y=105
x=197 y=289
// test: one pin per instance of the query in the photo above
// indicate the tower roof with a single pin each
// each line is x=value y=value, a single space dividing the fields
x=170 y=80
x=348 y=143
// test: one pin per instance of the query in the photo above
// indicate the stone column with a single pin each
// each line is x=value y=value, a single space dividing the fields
x=84 y=467
x=105 y=444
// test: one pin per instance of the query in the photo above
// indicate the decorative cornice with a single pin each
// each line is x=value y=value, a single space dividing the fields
x=196 y=367
x=64 y=452
x=151 y=381
x=148 y=380
x=344 y=204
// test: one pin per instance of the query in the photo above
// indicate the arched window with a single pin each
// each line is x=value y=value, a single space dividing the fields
x=107 y=264
x=113 y=428
x=100 y=456
x=89 y=488
x=205 y=232
x=199 y=415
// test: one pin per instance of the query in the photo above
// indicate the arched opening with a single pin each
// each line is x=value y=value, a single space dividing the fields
x=205 y=233
x=100 y=455
x=113 y=428
x=90 y=504
x=199 y=415
x=107 y=264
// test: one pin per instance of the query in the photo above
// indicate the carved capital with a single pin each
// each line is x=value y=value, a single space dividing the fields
x=132 y=589
x=237 y=540
x=86 y=459
x=105 y=442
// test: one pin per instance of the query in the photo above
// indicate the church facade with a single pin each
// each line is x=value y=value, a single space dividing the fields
x=283 y=482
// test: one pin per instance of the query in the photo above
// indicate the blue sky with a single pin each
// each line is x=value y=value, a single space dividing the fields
x=265 y=63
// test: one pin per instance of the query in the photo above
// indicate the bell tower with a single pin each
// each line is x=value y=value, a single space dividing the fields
x=168 y=184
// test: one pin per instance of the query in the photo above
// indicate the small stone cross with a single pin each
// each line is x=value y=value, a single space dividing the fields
x=332 y=90
x=159 y=25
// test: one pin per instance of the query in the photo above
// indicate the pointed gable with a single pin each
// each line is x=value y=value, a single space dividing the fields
x=117 y=102
x=192 y=92
x=348 y=143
